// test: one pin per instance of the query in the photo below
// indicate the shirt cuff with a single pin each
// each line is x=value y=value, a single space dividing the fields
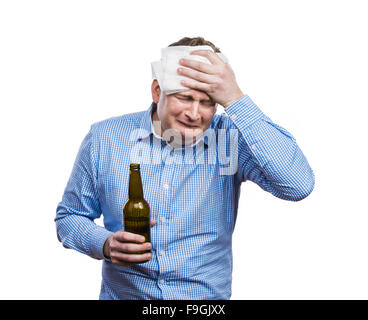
x=244 y=112
x=98 y=238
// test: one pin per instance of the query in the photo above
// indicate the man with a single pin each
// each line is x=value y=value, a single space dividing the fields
x=191 y=179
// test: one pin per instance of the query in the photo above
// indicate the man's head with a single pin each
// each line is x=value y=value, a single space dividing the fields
x=188 y=112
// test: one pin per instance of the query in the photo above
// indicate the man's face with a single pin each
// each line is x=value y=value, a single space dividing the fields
x=187 y=112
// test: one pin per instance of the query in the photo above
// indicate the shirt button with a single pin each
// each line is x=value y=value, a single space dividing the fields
x=254 y=147
x=162 y=252
x=163 y=219
x=166 y=186
x=162 y=281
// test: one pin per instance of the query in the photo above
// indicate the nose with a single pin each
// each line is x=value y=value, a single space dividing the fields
x=193 y=112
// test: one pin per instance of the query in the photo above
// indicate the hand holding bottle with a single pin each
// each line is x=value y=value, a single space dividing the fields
x=126 y=248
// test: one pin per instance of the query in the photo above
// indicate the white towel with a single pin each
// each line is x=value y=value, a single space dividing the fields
x=165 y=70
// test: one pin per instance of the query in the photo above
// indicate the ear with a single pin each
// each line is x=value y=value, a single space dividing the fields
x=156 y=91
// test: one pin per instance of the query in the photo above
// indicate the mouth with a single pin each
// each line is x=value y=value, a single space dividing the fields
x=187 y=125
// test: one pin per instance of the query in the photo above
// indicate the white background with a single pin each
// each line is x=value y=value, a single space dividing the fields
x=67 y=64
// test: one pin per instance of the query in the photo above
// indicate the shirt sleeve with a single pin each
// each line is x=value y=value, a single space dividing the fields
x=269 y=154
x=79 y=207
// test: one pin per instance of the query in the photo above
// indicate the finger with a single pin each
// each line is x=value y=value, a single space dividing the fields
x=196 y=75
x=210 y=55
x=128 y=247
x=153 y=223
x=120 y=257
x=124 y=236
x=198 y=65
x=192 y=84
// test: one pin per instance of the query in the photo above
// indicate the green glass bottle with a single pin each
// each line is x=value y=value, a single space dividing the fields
x=136 y=209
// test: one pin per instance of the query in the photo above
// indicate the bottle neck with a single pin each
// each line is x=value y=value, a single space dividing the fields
x=135 y=185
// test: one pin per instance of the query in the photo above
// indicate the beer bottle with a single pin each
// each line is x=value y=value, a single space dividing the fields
x=136 y=209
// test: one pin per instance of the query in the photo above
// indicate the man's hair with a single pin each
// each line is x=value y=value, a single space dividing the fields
x=196 y=41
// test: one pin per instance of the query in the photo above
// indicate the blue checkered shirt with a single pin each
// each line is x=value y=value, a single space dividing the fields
x=193 y=193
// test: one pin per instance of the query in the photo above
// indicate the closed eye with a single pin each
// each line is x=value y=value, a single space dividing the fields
x=184 y=98
x=208 y=103
x=188 y=98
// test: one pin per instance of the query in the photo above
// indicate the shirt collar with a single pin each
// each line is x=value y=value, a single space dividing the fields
x=148 y=130
x=146 y=123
